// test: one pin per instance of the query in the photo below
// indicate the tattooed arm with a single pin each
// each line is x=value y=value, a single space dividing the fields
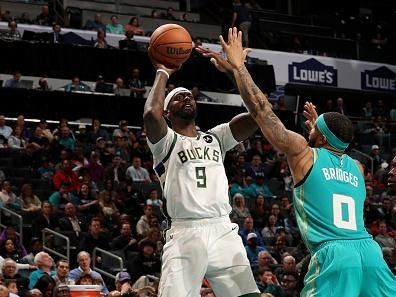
x=299 y=154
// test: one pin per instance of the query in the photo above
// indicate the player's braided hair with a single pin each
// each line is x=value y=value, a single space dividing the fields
x=340 y=125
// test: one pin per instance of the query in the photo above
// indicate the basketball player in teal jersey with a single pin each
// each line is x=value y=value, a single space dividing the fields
x=328 y=196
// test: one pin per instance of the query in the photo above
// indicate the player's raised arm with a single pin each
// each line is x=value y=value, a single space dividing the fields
x=289 y=142
x=154 y=121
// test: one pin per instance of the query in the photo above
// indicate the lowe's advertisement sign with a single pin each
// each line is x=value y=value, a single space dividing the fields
x=312 y=71
x=381 y=79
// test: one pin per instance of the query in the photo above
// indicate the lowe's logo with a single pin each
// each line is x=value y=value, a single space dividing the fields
x=380 y=79
x=312 y=71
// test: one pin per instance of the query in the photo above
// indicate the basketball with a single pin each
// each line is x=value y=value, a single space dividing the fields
x=170 y=45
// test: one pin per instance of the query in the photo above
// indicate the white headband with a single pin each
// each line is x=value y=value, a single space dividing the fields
x=172 y=93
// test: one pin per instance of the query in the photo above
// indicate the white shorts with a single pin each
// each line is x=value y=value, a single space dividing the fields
x=208 y=248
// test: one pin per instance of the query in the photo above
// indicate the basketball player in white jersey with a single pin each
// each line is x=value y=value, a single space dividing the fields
x=202 y=241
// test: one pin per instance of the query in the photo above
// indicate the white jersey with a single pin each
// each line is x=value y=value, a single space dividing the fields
x=192 y=173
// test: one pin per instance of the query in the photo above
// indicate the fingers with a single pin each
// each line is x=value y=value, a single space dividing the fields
x=213 y=61
x=223 y=43
x=230 y=35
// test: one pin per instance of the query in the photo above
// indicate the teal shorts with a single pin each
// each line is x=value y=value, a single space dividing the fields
x=350 y=268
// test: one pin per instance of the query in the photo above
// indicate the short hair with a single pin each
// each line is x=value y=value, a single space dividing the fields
x=61 y=261
x=34 y=292
x=38 y=257
x=81 y=254
x=3 y=289
x=340 y=125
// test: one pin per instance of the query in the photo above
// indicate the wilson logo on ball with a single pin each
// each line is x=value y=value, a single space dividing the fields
x=177 y=51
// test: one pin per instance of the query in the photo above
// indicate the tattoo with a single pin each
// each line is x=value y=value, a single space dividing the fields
x=255 y=100
x=261 y=109
x=278 y=130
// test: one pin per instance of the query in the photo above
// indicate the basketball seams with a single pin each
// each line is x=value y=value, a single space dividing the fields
x=165 y=31
x=189 y=43
x=166 y=38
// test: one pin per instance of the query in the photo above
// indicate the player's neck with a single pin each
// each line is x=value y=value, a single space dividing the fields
x=185 y=128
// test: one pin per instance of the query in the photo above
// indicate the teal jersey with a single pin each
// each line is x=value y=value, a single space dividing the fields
x=329 y=202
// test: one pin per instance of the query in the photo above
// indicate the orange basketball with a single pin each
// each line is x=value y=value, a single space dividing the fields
x=170 y=45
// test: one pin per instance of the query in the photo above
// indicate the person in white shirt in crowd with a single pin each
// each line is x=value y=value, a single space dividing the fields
x=136 y=172
x=4 y=129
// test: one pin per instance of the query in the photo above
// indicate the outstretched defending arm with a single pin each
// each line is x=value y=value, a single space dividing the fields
x=292 y=144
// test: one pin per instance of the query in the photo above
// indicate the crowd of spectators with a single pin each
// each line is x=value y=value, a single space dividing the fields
x=96 y=185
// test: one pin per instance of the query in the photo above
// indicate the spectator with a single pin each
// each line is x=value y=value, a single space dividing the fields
x=136 y=172
x=25 y=19
x=128 y=42
x=252 y=248
x=123 y=130
x=239 y=210
x=341 y=108
x=62 y=273
x=155 y=14
x=9 y=272
x=146 y=262
x=34 y=293
x=55 y=36
x=107 y=206
x=116 y=172
x=269 y=283
x=44 y=18
x=259 y=211
x=61 y=291
x=12 y=287
x=95 y=237
x=114 y=27
x=84 y=261
x=143 y=225
x=170 y=14
x=125 y=241
x=76 y=85
x=97 y=131
x=66 y=176
x=242 y=18
x=45 y=219
x=30 y=202
x=87 y=279
x=383 y=238
x=46 y=285
x=44 y=263
x=288 y=266
x=101 y=39
x=247 y=228
x=123 y=285
x=8 y=249
x=100 y=85
x=15 y=140
x=134 y=26
x=71 y=221
x=43 y=85
x=136 y=85
x=289 y=283
x=120 y=89
x=96 y=24
x=96 y=170
x=5 y=130
x=265 y=259
x=14 y=82
x=36 y=246
x=13 y=33
x=7 y=196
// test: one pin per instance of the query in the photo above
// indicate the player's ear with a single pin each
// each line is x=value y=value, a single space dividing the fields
x=166 y=114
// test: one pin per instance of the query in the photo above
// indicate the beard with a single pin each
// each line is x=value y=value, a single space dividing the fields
x=186 y=115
